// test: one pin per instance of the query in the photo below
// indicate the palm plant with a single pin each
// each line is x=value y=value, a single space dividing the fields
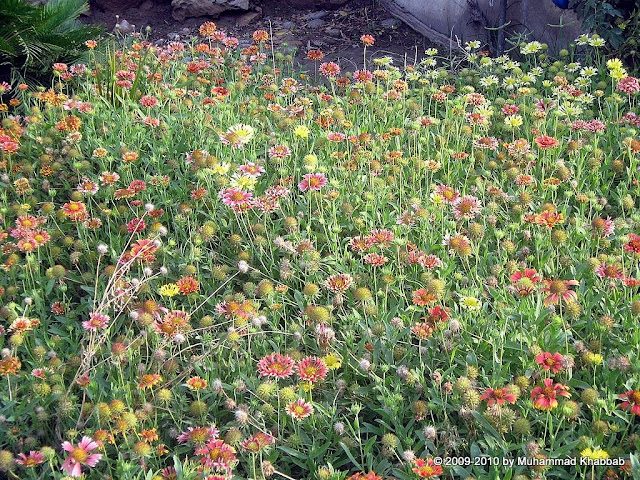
x=34 y=37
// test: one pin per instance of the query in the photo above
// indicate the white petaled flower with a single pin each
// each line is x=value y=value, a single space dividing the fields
x=102 y=249
x=217 y=385
x=408 y=456
x=243 y=266
x=430 y=432
x=241 y=416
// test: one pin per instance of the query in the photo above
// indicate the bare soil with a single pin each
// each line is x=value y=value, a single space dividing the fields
x=335 y=32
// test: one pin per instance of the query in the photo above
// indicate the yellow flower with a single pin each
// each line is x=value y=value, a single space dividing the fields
x=593 y=358
x=234 y=336
x=310 y=162
x=618 y=73
x=614 y=64
x=169 y=290
x=332 y=361
x=221 y=168
x=513 y=121
x=305 y=386
x=243 y=182
x=301 y=131
x=596 y=454
x=470 y=303
x=437 y=199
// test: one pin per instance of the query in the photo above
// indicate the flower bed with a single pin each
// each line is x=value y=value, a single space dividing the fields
x=215 y=267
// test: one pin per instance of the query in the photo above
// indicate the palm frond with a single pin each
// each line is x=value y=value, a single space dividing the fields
x=33 y=38
x=61 y=15
x=7 y=48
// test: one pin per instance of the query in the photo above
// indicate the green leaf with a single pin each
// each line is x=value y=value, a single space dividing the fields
x=293 y=453
x=350 y=455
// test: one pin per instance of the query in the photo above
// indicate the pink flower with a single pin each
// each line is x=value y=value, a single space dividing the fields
x=559 y=290
x=198 y=435
x=510 y=109
x=330 y=69
x=550 y=361
x=609 y=271
x=466 y=207
x=633 y=245
x=235 y=198
x=544 y=398
x=276 y=365
x=299 y=409
x=421 y=258
x=148 y=101
x=631 y=399
x=498 y=395
x=97 y=321
x=279 y=151
x=217 y=455
x=339 y=283
x=312 y=369
x=79 y=456
x=524 y=281
x=375 y=259
x=602 y=227
x=136 y=225
x=545 y=142
x=34 y=458
x=447 y=193
x=362 y=76
x=336 y=136
x=312 y=181
x=252 y=169
x=382 y=237
x=629 y=85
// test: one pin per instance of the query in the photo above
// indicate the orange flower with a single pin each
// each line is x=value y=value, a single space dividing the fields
x=10 y=366
x=76 y=211
x=130 y=157
x=368 y=40
x=149 y=380
x=544 y=142
x=260 y=36
x=549 y=219
x=315 y=55
x=196 y=383
x=150 y=435
x=187 y=285
x=426 y=468
x=207 y=29
x=423 y=296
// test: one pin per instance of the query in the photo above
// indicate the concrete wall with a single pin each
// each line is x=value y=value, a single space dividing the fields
x=442 y=20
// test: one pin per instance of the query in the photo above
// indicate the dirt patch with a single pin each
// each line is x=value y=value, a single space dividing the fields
x=335 y=32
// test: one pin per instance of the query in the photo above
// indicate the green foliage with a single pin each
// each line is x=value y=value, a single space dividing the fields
x=614 y=20
x=33 y=38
